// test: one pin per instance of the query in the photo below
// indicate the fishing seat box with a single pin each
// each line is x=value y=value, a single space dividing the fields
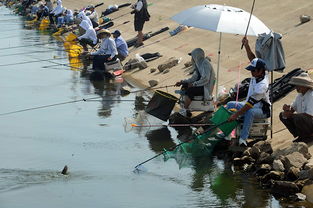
x=258 y=129
x=113 y=65
x=199 y=104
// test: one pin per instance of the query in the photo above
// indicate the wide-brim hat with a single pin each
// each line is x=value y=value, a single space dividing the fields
x=103 y=31
x=303 y=80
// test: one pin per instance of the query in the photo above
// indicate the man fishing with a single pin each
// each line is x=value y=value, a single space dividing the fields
x=298 y=117
x=257 y=104
x=202 y=81
x=121 y=45
x=107 y=51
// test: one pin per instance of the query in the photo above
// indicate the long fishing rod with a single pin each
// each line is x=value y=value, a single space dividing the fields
x=27 y=62
x=57 y=104
x=29 y=52
x=172 y=148
x=249 y=22
x=36 y=44
x=170 y=125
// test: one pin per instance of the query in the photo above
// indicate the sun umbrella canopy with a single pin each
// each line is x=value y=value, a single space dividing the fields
x=219 y=18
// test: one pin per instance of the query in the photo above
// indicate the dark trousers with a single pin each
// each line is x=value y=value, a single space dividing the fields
x=299 y=125
x=99 y=60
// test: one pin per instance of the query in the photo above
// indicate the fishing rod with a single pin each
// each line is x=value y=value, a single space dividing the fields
x=57 y=104
x=36 y=44
x=170 y=125
x=148 y=88
x=172 y=148
x=248 y=22
x=27 y=62
x=29 y=52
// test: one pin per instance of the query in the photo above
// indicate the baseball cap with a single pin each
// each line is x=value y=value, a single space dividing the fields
x=256 y=63
x=116 y=32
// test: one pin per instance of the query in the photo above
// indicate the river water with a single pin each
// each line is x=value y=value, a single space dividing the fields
x=89 y=137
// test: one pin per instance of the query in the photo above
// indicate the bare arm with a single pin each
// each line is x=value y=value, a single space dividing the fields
x=250 y=54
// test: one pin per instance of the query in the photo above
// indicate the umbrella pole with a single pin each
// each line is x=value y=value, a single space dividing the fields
x=218 y=65
x=272 y=106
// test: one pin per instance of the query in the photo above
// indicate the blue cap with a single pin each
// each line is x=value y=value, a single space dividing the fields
x=117 y=32
x=256 y=63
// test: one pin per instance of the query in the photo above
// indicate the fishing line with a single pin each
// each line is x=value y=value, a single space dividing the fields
x=57 y=104
x=30 y=52
x=27 y=62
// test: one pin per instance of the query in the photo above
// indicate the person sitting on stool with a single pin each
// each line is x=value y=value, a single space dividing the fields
x=121 y=45
x=257 y=104
x=107 y=51
x=201 y=83
x=298 y=117
x=90 y=36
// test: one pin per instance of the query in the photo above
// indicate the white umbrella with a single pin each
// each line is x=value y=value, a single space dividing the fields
x=222 y=19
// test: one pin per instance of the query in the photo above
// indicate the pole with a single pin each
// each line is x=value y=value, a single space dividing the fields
x=272 y=106
x=218 y=65
x=249 y=22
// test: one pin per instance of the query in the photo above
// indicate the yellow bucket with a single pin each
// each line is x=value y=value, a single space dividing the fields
x=44 y=24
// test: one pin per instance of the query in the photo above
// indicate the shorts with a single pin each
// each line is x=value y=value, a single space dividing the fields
x=138 y=23
x=191 y=92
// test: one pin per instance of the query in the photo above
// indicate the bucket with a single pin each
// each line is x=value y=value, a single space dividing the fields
x=161 y=105
x=222 y=115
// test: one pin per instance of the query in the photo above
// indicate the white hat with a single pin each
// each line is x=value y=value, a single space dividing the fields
x=303 y=80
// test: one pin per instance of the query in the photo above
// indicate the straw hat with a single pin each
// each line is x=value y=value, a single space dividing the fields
x=103 y=31
x=303 y=80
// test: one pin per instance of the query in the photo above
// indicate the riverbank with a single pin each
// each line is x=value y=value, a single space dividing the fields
x=295 y=40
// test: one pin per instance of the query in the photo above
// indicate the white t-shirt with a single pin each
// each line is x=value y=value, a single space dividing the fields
x=304 y=103
x=258 y=90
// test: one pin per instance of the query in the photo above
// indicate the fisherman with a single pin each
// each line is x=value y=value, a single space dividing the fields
x=141 y=16
x=107 y=51
x=66 y=18
x=82 y=16
x=93 y=15
x=257 y=104
x=42 y=12
x=90 y=36
x=121 y=45
x=56 y=12
x=201 y=83
x=298 y=117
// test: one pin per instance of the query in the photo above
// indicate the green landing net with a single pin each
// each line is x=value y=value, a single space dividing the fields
x=203 y=144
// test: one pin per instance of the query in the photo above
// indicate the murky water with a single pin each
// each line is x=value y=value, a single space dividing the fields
x=89 y=138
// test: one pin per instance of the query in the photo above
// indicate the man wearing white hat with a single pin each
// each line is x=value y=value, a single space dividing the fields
x=298 y=117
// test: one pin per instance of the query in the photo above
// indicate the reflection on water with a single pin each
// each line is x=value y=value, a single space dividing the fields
x=160 y=139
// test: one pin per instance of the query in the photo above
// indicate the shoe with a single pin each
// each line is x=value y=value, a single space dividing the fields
x=242 y=141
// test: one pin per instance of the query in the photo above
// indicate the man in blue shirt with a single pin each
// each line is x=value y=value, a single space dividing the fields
x=121 y=45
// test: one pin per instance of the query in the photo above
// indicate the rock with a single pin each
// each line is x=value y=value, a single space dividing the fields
x=306 y=174
x=168 y=64
x=284 y=188
x=152 y=70
x=295 y=159
x=247 y=152
x=302 y=183
x=255 y=152
x=304 y=19
x=166 y=71
x=308 y=191
x=153 y=83
x=272 y=175
x=188 y=64
x=264 y=146
x=238 y=162
x=278 y=165
x=265 y=158
x=293 y=174
x=294 y=147
x=297 y=197
x=263 y=169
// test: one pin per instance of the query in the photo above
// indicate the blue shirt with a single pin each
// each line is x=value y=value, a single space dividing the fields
x=121 y=46
x=107 y=47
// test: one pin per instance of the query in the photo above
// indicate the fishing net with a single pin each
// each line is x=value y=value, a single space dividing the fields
x=140 y=119
x=199 y=146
